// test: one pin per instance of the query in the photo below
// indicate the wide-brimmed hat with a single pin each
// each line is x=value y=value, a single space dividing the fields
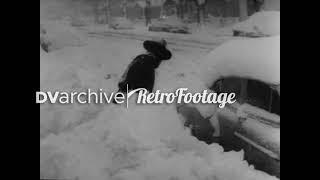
x=158 y=48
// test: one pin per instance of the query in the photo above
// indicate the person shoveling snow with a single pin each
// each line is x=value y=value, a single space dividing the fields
x=141 y=71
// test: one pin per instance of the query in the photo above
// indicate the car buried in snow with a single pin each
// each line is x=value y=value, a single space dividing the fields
x=260 y=24
x=251 y=69
x=169 y=25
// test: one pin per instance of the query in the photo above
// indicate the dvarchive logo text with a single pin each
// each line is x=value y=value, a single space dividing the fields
x=181 y=95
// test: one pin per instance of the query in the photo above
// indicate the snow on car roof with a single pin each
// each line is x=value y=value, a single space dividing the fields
x=257 y=59
x=264 y=22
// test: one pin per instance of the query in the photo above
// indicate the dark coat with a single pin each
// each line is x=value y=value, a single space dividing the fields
x=141 y=71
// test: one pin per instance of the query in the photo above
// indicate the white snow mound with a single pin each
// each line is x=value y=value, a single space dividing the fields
x=60 y=34
x=139 y=143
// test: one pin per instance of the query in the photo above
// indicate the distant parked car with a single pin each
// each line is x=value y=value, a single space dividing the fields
x=170 y=25
x=121 y=23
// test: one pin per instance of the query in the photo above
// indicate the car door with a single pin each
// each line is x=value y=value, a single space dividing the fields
x=253 y=123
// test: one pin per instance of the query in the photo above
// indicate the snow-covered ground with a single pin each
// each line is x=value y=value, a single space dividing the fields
x=100 y=142
x=60 y=34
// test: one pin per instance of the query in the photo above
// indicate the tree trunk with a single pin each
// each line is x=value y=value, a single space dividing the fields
x=202 y=13
x=108 y=12
x=200 y=10
x=147 y=12
x=185 y=8
x=143 y=13
x=243 y=9
x=124 y=9
x=181 y=4
x=161 y=9
x=198 y=15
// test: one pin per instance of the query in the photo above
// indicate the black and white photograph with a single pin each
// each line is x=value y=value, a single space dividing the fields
x=159 y=90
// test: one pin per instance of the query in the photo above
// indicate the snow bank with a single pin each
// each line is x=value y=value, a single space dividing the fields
x=61 y=76
x=250 y=58
x=60 y=34
x=98 y=65
x=59 y=72
x=264 y=23
x=143 y=142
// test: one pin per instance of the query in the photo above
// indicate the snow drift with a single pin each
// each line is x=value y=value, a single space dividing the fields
x=61 y=34
x=145 y=142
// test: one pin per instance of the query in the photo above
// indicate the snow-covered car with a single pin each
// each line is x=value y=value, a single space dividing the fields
x=121 y=23
x=170 y=24
x=253 y=123
x=260 y=24
x=252 y=71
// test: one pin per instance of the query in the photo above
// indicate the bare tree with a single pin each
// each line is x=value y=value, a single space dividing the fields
x=147 y=12
x=108 y=12
x=124 y=6
x=161 y=10
x=200 y=10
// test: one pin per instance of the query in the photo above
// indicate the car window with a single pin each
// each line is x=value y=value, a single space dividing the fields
x=250 y=91
x=228 y=85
